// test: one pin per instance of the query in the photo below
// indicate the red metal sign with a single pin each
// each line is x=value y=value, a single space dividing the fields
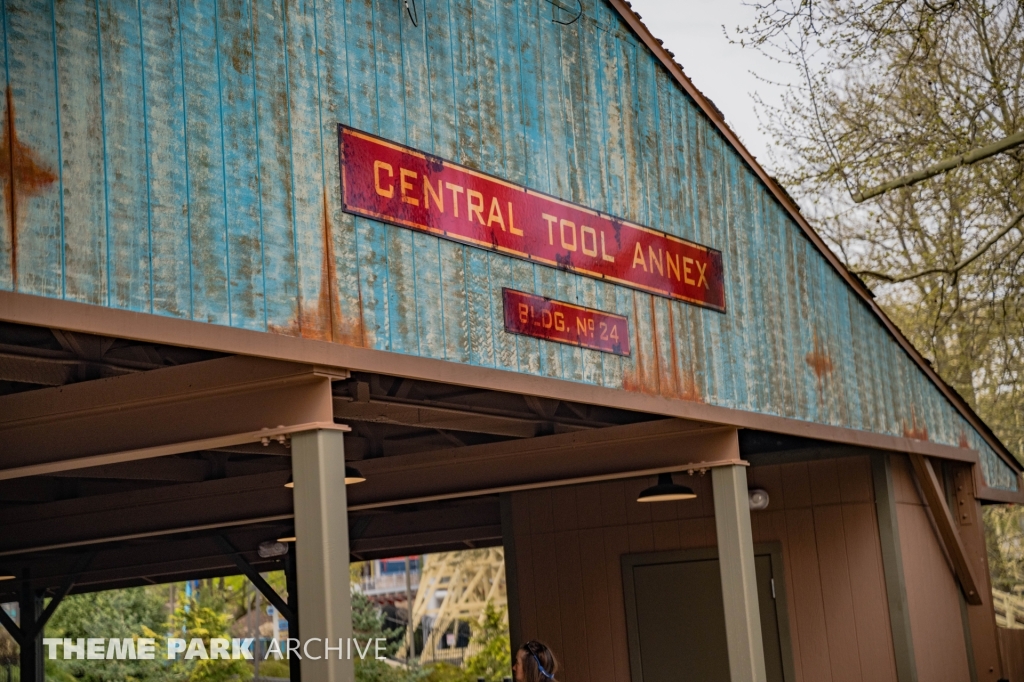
x=565 y=323
x=399 y=185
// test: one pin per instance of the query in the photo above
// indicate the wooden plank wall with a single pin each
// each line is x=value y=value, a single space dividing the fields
x=568 y=542
x=932 y=591
x=1011 y=649
x=180 y=159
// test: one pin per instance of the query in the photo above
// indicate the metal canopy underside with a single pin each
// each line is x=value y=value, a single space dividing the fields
x=161 y=519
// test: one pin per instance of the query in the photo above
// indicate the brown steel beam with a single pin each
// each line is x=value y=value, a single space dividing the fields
x=147 y=413
x=981 y=619
x=404 y=414
x=34 y=370
x=615 y=451
x=175 y=469
x=145 y=513
x=41 y=311
x=397 y=544
x=162 y=559
x=256 y=579
x=946 y=526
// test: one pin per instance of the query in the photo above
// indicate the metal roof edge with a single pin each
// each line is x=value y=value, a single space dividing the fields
x=625 y=10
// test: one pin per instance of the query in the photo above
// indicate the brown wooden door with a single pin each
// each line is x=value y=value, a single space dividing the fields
x=677 y=622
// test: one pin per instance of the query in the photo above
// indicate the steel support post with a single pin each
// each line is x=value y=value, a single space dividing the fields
x=322 y=554
x=292 y=587
x=30 y=606
x=739 y=585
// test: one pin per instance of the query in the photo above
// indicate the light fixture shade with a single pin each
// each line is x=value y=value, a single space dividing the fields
x=666 y=491
x=352 y=475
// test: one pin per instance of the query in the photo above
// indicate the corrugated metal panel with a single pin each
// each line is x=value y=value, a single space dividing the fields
x=180 y=158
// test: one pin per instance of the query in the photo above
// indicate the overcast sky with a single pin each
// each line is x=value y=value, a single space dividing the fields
x=692 y=29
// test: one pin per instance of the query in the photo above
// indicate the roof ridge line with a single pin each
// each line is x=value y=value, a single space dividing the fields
x=625 y=10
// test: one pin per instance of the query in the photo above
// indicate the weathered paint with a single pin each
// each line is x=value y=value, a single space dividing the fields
x=193 y=151
x=406 y=187
x=563 y=322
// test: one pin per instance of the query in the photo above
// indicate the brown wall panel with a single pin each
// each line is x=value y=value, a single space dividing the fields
x=808 y=608
x=837 y=591
x=596 y=611
x=1011 y=646
x=570 y=541
x=867 y=584
x=932 y=595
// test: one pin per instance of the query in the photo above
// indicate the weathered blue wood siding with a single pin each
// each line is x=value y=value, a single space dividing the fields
x=179 y=157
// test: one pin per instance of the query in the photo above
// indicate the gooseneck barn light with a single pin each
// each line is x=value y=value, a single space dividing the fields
x=666 y=491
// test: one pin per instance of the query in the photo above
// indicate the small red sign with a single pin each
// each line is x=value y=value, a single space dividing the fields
x=565 y=323
x=400 y=185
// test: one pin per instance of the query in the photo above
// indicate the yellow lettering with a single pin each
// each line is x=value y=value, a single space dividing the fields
x=584 y=231
x=702 y=279
x=524 y=313
x=512 y=223
x=377 y=167
x=687 y=262
x=668 y=264
x=581 y=327
x=545 y=319
x=495 y=215
x=428 y=193
x=404 y=173
x=551 y=221
x=572 y=229
x=638 y=257
x=456 y=190
x=604 y=254
x=655 y=261
x=475 y=203
x=560 y=322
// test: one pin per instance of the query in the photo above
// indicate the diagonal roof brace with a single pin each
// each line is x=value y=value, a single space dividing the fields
x=257 y=580
x=29 y=630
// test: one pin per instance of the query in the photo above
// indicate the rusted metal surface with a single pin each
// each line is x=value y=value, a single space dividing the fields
x=406 y=187
x=563 y=322
x=196 y=174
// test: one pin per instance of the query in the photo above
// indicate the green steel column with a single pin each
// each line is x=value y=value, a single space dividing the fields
x=322 y=553
x=739 y=585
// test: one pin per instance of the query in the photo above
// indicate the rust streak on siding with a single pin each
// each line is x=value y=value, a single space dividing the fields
x=23 y=174
x=820 y=363
x=915 y=430
x=346 y=331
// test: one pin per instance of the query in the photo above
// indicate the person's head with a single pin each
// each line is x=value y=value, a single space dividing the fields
x=534 y=663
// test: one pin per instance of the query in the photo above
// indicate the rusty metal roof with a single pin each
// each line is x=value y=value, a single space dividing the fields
x=657 y=47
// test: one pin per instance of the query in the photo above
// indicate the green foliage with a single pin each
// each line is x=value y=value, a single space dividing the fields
x=272 y=667
x=445 y=672
x=1004 y=536
x=368 y=624
x=133 y=612
x=205 y=618
x=493 y=662
x=883 y=88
